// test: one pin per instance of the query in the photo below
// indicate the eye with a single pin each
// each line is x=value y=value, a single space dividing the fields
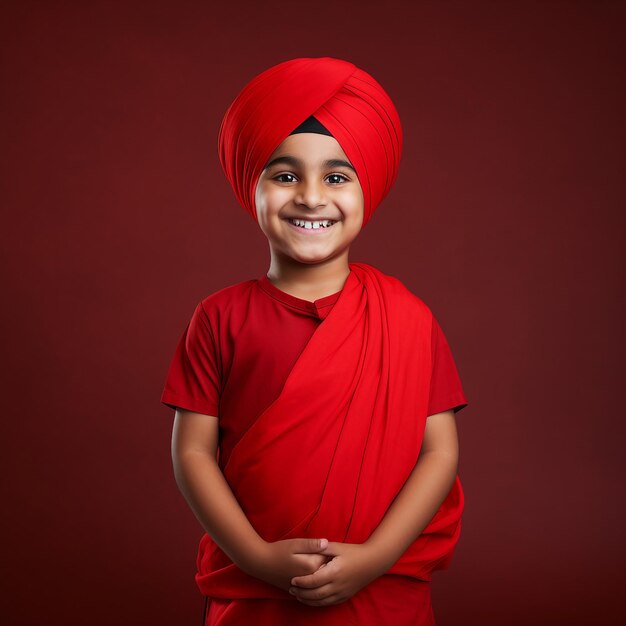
x=335 y=178
x=338 y=176
x=281 y=176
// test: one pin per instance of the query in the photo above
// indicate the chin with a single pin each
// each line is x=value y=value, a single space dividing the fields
x=309 y=260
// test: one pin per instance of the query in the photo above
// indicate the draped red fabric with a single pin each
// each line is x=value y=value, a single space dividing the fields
x=349 y=102
x=341 y=438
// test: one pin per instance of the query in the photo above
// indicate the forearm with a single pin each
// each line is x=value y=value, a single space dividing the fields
x=212 y=501
x=414 y=507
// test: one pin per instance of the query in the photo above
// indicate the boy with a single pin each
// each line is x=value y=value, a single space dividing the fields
x=300 y=437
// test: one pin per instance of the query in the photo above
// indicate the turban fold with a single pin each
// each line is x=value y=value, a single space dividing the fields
x=351 y=104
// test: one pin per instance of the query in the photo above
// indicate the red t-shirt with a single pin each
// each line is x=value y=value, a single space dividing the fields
x=232 y=362
x=240 y=345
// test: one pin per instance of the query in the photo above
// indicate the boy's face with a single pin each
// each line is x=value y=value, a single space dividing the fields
x=309 y=177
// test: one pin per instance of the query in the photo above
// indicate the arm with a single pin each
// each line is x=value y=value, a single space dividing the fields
x=194 y=457
x=355 y=565
x=422 y=494
x=200 y=480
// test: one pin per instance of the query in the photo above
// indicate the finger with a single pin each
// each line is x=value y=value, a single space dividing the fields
x=320 y=593
x=332 y=549
x=308 y=545
x=322 y=576
x=334 y=599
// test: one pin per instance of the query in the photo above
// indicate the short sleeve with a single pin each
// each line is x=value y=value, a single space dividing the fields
x=446 y=390
x=193 y=379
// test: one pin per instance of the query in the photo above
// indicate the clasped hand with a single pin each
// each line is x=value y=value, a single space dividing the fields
x=351 y=566
x=317 y=572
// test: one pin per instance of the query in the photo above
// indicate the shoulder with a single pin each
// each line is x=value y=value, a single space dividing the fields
x=226 y=296
x=221 y=301
x=421 y=309
x=410 y=296
x=403 y=295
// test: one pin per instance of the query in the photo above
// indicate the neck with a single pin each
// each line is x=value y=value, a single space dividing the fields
x=309 y=281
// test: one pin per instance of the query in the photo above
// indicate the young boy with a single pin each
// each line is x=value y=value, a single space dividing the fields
x=301 y=440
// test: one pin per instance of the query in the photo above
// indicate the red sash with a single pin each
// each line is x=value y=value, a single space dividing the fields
x=329 y=455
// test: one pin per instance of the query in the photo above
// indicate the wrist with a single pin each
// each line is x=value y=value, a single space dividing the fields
x=252 y=559
x=381 y=556
x=376 y=555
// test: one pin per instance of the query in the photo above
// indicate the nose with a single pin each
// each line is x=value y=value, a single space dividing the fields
x=311 y=194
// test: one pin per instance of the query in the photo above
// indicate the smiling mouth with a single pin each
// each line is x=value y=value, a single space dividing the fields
x=312 y=226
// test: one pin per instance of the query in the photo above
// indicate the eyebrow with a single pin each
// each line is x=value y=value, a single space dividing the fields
x=295 y=162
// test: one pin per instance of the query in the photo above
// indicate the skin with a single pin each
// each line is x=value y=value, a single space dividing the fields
x=315 y=571
x=304 y=265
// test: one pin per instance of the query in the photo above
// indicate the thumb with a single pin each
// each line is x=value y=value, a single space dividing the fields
x=312 y=545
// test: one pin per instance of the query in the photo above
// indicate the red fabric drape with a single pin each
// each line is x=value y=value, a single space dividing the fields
x=241 y=343
x=342 y=438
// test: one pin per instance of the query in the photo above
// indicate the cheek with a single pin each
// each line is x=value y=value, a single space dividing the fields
x=263 y=203
x=354 y=204
x=267 y=206
x=260 y=193
x=271 y=199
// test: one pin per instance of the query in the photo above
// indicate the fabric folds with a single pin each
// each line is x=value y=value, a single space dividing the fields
x=341 y=438
x=349 y=102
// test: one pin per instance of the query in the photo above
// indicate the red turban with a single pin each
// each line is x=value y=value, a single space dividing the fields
x=346 y=100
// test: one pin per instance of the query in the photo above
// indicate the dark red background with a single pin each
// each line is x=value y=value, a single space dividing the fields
x=507 y=219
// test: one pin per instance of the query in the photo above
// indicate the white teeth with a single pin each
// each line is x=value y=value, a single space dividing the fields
x=307 y=224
